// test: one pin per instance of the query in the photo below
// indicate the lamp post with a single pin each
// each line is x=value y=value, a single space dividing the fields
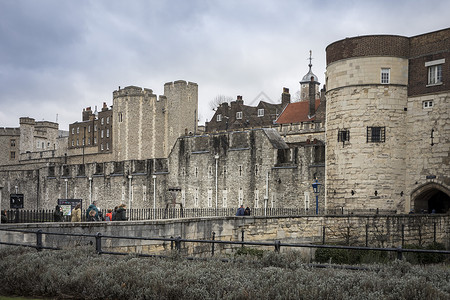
x=66 y=181
x=316 y=188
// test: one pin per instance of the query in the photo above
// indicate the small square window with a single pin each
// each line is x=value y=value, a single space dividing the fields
x=376 y=134
x=261 y=112
x=13 y=143
x=219 y=117
x=427 y=104
x=385 y=75
x=343 y=135
x=239 y=115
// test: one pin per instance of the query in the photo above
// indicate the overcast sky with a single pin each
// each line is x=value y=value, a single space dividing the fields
x=59 y=56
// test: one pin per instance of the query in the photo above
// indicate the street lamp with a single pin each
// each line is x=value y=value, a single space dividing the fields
x=316 y=188
x=66 y=180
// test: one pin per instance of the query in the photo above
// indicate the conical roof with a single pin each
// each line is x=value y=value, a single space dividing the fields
x=307 y=77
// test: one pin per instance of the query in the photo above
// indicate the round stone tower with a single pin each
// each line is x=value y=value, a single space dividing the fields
x=366 y=82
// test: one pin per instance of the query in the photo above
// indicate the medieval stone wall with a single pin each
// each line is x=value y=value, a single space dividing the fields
x=243 y=167
x=378 y=231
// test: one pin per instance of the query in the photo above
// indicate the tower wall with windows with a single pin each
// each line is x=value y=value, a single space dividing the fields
x=137 y=121
x=387 y=127
x=365 y=126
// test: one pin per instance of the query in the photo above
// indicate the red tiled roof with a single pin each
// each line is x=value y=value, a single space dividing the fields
x=296 y=112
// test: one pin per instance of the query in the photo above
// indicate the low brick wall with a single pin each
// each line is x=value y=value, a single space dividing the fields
x=376 y=231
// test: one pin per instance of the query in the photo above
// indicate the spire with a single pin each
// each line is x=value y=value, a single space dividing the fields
x=310 y=75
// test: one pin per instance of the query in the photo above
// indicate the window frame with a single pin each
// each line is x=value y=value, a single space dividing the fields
x=372 y=137
x=260 y=112
x=343 y=135
x=427 y=104
x=239 y=115
x=434 y=72
x=385 y=76
x=219 y=118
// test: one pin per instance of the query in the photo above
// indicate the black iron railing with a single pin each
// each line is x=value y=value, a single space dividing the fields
x=140 y=214
x=176 y=243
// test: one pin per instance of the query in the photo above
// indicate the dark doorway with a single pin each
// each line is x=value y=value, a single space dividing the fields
x=431 y=198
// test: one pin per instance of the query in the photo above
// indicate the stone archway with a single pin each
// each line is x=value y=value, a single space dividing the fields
x=429 y=197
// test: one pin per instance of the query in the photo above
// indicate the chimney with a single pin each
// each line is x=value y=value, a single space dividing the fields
x=285 y=97
x=87 y=113
x=105 y=107
x=239 y=100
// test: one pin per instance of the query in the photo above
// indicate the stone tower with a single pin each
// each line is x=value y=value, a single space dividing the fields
x=305 y=83
x=367 y=79
x=147 y=126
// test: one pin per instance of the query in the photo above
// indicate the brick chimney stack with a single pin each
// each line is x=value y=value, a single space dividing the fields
x=285 y=97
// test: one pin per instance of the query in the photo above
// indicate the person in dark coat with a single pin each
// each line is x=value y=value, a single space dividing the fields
x=58 y=214
x=121 y=214
x=247 y=211
x=93 y=207
x=114 y=213
x=4 y=216
x=240 y=211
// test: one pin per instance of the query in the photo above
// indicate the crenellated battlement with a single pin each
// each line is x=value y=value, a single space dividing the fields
x=46 y=124
x=9 y=131
x=180 y=83
x=27 y=120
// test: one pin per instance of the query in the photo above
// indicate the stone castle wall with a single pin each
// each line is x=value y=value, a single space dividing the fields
x=380 y=231
x=244 y=167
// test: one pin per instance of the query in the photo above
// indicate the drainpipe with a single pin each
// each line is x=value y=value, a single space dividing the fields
x=130 y=191
x=90 y=190
x=1 y=190
x=266 y=196
x=154 y=197
x=217 y=163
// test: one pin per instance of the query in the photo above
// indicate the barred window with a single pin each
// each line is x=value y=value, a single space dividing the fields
x=219 y=117
x=376 y=134
x=343 y=135
x=239 y=115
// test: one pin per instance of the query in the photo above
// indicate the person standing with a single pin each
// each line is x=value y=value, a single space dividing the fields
x=247 y=211
x=4 y=216
x=121 y=214
x=76 y=213
x=93 y=207
x=58 y=214
x=109 y=215
x=240 y=211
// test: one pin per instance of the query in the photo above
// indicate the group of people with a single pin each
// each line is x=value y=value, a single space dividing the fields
x=92 y=213
x=243 y=212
